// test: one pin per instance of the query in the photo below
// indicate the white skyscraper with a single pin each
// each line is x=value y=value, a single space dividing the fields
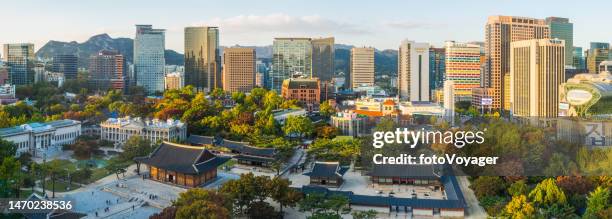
x=149 y=62
x=449 y=101
x=413 y=71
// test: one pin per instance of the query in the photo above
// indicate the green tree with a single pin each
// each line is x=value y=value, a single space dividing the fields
x=202 y=204
x=518 y=188
x=7 y=148
x=56 y=171
x=597 y=201
x=487 y=186
x=10 y=176
x=136 y=146
x=244 y=191
x=547 y=193
x=326 y=109
x=298 y=125
x=369 y=214
x=282 y=193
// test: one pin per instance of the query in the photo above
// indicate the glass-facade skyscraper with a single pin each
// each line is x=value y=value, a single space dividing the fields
x=149 y=62
x=562 y=29
x=19 y=58
x=437 y=68
x=66 y=64
x=290 y=57
x=578 y=61
x=202 y=58
x=599 y=45
x=323 y=58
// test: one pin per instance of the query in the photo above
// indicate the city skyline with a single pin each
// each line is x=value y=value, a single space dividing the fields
x=257 y=25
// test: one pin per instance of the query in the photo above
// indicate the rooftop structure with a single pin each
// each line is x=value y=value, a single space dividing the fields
x=181 y=165
x=326 y=173
x=41 y=139
x=119 y=130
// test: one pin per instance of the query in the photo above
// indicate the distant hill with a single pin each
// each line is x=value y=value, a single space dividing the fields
x=385 y=60
x=96 y=43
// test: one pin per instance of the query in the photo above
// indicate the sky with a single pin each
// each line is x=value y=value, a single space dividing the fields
x=382 y=23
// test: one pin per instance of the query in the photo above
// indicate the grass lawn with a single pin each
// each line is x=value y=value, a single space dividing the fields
x=97 y=174
x=60 y=186
x=229 y=163
x=343 y=137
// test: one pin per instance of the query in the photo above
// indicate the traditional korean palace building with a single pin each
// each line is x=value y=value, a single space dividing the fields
x=452 y=205
x=241 y=151
x=327 y=174
x=181 y=165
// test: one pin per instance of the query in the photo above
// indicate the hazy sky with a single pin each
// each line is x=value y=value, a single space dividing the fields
x=381 y=23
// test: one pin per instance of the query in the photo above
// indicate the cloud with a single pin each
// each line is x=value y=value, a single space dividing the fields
x=410 y=25
x=284 y=24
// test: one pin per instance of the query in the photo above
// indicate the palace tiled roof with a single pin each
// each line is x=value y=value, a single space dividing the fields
x=327 y=169
x=182 y=158
x=201 y=140
x=244 y=148
x=417 y=171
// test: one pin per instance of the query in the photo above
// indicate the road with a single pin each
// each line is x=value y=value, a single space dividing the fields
x=474 y=210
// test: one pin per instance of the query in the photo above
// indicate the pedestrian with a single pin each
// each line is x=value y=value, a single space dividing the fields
x=96 y=214
x=132 y=207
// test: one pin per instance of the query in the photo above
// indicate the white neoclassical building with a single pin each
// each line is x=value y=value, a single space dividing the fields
x=119 y=130
x=41 y=139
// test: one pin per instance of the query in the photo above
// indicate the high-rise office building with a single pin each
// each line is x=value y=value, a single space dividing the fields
x=578 y=59
x=413 y=71
x=463 y=68
x=561 y=28
x=291 y=57
x=449 y=101
x=599 y=45
x=437 y=68
x=362 y=67
x=536 y=72
x=500 y=31
x=66 y=64
x=107 y=70
x=323 y=58
x=596 y=56
x=239 y=69
x=19 y=58
x=174 y=81
x=202 y=58
x=149 y=62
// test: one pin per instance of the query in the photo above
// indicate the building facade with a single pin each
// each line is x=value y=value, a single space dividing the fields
x=149 y=61
x=463 y=68
x=596 y=56
x=350 y=123
x=500 y=31
x=362 y=67
x=305 y=90
x=323 y=58
x=536 y=73
x=181 y=165
x=449 y=101
x=119 y=130
x=19 y=58
x=41 y=139
x=437 y=67
x=66 y=64
x=290 y=57
x=239 y=69
x=202 y=58
x=413 y=71
x=174 y=81
x=107 y=70
x=578 y=59
x=561 y=28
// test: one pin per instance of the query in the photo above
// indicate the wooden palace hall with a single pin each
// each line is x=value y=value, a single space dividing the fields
x=181 y=165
